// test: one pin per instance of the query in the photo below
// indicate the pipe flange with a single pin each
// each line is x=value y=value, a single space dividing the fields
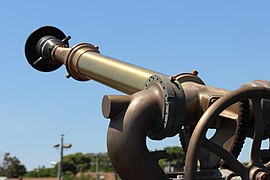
x=174 y=110
x=73 y=59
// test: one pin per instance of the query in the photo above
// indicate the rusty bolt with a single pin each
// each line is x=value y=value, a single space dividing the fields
x=262 y=176
x=212 y=100
x=68 y=75
x=97 y=47
x=195 y=72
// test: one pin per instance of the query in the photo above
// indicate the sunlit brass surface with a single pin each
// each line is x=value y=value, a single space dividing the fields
x=84 y=62
x=114 y=73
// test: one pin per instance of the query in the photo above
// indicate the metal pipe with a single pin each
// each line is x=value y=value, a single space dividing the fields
x=47 y=49
x=126 y=137
x=84 y=62
x=114 y=73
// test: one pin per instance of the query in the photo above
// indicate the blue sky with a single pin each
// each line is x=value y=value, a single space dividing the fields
x=228 y=42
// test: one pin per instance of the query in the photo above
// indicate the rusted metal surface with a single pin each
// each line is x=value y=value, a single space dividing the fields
x=161 y=106
x=126 y=139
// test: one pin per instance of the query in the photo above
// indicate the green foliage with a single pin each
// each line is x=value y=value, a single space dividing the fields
x=103 y=162
x=80 y=162
x=77 y=162
x=11 y=167
x=68 y=175
x=176 y=159
x=71 y=176
x=42 y=172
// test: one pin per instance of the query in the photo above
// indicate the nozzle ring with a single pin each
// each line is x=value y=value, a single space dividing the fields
x=33 y=51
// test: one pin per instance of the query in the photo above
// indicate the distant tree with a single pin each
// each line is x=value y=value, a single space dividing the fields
x=11 y=167
x=103 y=162
x=80 y=162
x=77 y=162
x=175 y=160
x=42 y=172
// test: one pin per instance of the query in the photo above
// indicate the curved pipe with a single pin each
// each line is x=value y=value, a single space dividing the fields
x=128 y=128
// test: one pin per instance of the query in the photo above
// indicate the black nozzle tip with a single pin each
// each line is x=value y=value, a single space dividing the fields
x=39 y=45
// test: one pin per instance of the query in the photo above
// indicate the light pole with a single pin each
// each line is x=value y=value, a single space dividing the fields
x=97 y=163
x=62 y=147
x=97 y=166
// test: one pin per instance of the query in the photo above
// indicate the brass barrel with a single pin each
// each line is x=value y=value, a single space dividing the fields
x=111 y=72
x=47 y=49
x=84 y=62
